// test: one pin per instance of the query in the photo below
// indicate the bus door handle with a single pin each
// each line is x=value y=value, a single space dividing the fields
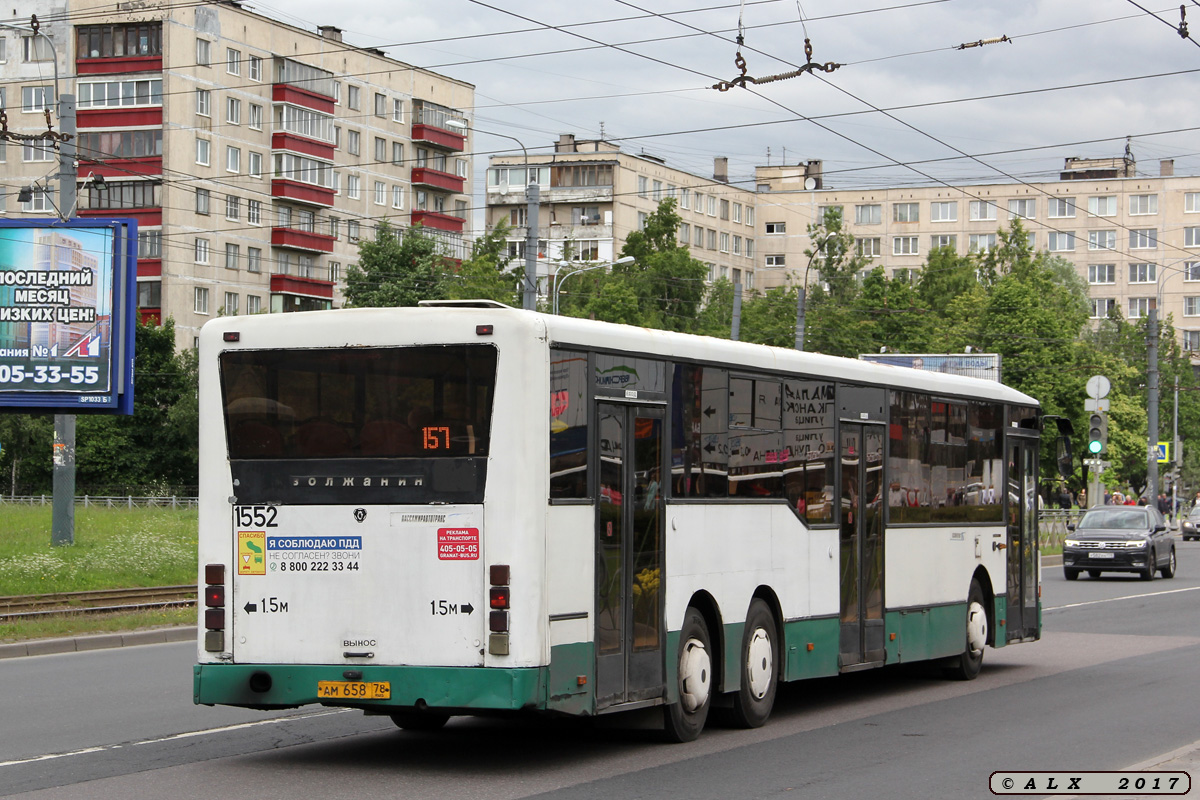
x=998 y=546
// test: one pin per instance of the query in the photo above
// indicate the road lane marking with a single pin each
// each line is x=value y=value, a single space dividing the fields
x=1125 y=597
x=173 y=737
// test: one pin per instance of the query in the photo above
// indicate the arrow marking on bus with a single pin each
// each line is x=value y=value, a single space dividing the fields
x=466 y=608
x=251 y=608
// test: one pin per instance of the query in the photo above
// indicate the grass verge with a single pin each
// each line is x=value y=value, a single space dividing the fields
x=83 y=624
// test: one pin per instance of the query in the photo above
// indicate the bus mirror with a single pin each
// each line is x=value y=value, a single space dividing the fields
x=1066 y=458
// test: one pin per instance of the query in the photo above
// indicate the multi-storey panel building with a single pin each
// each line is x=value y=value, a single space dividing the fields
x=253 y=154
x=593 y=195
x=1133 y=238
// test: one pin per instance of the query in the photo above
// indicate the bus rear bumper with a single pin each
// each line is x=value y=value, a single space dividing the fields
x=269 y=686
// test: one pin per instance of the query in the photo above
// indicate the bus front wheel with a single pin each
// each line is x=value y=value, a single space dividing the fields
x=684 y=719
x=760 y=668
x=966 y=667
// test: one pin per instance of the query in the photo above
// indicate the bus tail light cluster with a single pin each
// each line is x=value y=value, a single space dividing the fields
x=214 y=608
x=498 y=597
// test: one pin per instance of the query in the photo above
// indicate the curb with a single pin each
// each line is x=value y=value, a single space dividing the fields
x=99 y=641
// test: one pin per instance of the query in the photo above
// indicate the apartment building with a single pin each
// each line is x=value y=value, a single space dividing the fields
x=593 y=195
x=253 y=153
x=1130 y=236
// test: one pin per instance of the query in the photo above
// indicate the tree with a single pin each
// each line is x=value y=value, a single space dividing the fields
x=668 y=282
x=396 y=269
x=487 y=273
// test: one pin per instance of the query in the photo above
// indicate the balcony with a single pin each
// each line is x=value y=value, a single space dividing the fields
x=302 y=240
x=130 y=117
x=436 y=179
x=283 y=140
x=302 y=192
x=146 y=217
x=120 y=167
x=118 y=65
x=438 y=137
x=285 y=93
x=438 y=221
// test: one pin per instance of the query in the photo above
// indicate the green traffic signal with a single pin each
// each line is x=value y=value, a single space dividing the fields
x=1097 y=434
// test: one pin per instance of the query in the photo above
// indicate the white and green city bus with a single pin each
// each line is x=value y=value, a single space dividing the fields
x=465 y=508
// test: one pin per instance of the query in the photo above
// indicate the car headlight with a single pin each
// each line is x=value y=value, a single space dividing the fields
x=1137 y=544
x=1070 y=543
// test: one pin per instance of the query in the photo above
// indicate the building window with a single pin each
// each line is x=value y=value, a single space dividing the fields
x=1102 y=240
x=255 y=68
x=1191 y=271
x=1140 y=204
x=233 y=256
x=397 y=197
x=380 y=105
x=1143 y=273
x=255 y=165
x=149 y=294
x=233 y=207
x=1191 y=237
x=712 y=239
x=1191 y=306
x=380 y=193
x=200 y=300
x=1191 y=341
x=352 y=143
x=202 y=201
x=203 y=52
x=750 y=249
x=943 y=240
x=202 y=251
x=868 y=215
x=253 y=259
x=1101 y=306
x=36 y=98
x=352 y=97
x=641 y=220
x=699 y=240
x=233 y=159
x=233 y=111
x=254 y=212
x=335 y=271
x=982 y=210
x=398 y=153
x=304 y=170
x=685 y=233
x=283 y=216
x=737 y=212
x=1191 y=202
x=202 y=151
x=685 y=198
x=776 y=261
x=906 y=212
x=904 y=245
x=868 y=247
x=256 y=116
x=397 y=110
x=1103 y=206
x=120 y=94
x=113 y=41
x=352 y=230
x=776 y=227
x=643 y=186
x=1061 y=241
x=40 y=201
x=724 y=214
x=737 y=245
x=1023 y=208
x=724 y=242
x=1102 y=273
x=233 y=61
x=204 y=102
x=712 y=205
x=699 y=205
x=1143 y=238
x=943 y=211
x=981 y=242
x=1139 y=307
x=36 y=48
x=380 y=150
x=37 y=150
x=1061 y=207
x=149 y=244
x=231 y=303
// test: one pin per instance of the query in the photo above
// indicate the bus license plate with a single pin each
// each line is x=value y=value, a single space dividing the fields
x=1101 y=555
x=354 y=690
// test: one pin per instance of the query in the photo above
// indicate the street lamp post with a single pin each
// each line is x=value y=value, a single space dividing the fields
x=561 y=277
x=533 y=202
x=801 y=294
x=1152 y=387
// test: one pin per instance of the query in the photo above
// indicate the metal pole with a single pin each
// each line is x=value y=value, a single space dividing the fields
x=533 y=201
x=1176 y=456
x=736 y=328
x=1152 y=404
x=63 y=516
x=800 y=301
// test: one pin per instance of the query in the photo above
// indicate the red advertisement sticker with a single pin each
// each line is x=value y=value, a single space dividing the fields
x=458 y=544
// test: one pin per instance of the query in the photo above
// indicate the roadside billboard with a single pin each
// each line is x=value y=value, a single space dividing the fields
x=68 y=302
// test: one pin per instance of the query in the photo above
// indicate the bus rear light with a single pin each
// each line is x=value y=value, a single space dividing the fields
x=214 y=641
x=498 y=644
x=498 y=573
x=232 y=336
x=483 y=330
x=214 y=596
x=214 y=573
x=498 y=622
x=214 y=619
x=499 y=597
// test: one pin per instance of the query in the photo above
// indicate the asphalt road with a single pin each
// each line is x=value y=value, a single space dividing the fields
x=1109 y=686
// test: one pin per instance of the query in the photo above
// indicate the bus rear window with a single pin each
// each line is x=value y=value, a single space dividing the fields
x=390 y=402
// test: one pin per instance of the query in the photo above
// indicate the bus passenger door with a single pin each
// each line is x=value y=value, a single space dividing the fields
x=629 y=555
x=1022 y=550
x=861 y=547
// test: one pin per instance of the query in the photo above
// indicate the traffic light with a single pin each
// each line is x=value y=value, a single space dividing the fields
x=1097 y=434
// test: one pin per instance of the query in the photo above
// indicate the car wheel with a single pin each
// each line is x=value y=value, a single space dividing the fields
x=1148 y=572
x=760 y=668
x=966 y=667
x=684 y=719
x=1169 y=570
x=1093 y=573
x=1070 y=574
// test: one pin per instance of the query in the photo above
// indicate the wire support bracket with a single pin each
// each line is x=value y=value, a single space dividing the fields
x=739 y=61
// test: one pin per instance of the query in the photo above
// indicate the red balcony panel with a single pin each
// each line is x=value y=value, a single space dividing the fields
x=150 y=217
x=302 y=240
x=150 y=316
x=121 y=167
x=149 y=267
x=438 y=136
x=307 y=287
x=299 y=144
x=438 y=220
x=283 y=93
x=118 y=65
x=302 y=192
x=139 y=116
x=437 y=179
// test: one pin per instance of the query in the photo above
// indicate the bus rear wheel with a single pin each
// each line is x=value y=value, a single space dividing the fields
x=966 y=667
x=684 y=719
x=755 y=698
x=419 y=720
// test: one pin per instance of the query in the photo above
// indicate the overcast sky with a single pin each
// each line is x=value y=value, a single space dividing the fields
x=1078 y=77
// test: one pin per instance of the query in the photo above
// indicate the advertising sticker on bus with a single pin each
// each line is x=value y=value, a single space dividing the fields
x=458 y=544
x=251 y=547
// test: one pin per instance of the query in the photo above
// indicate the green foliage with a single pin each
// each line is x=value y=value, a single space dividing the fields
x=396 y=269
x=488 y=273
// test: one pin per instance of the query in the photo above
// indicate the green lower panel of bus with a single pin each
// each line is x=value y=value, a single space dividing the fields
x=289 y=685
x=920 y=634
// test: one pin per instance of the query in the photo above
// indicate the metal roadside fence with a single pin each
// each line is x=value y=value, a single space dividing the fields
x=98 y=501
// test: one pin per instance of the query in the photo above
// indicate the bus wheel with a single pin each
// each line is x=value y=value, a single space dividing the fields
x=760 y=668
x=419 y=721
x=683 y=720
x=966 y=667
